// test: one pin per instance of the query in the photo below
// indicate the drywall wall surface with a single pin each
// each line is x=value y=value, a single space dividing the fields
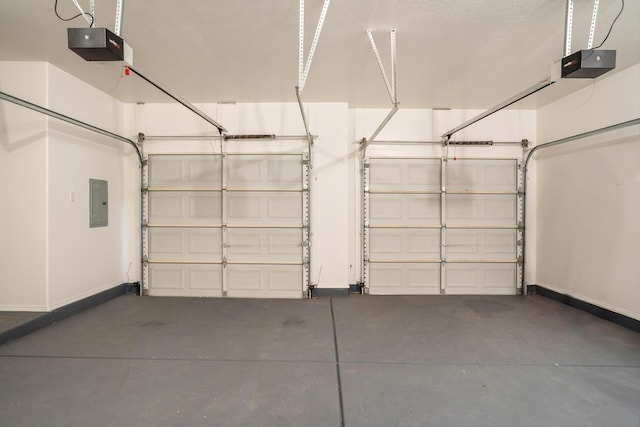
x=22 y=186
x=588 y=196
x=82 y=260
x=176 y=120
x=330 y=187
x=132 y=256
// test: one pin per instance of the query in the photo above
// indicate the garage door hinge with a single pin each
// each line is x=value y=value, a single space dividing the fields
x=144 y=189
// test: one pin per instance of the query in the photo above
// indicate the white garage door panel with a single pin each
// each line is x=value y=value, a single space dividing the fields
x=404 y=175
x=481 y=244
x=481 y=175
x=264 y=281
x=185 y=280
x=185 y=244
x=183 y=171
x=405 y=279
x=471 y=227
x=264 y=244
x=477 y=278
x=264 y=172
x=481 y=209
x=184 y=207
x=404 y=209
x=404 y=244
x=227 y=225
x=264 y=208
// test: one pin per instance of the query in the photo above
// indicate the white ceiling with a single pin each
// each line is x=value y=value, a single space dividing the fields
x=451 y=54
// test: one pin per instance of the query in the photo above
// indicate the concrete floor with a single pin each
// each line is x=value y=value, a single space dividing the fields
x=354 y=361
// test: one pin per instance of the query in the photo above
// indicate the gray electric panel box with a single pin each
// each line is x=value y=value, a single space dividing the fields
x=98 y=203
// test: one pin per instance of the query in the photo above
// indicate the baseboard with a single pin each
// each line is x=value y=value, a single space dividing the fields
x=63 y=312
x=603 y=313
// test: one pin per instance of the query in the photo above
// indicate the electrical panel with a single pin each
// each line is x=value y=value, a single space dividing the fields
x=98 y=203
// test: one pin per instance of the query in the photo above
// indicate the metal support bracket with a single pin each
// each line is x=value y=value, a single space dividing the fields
x=118 y=24
x=568 y=27
x=391 y=87
x=594 y=17
x=303 y=69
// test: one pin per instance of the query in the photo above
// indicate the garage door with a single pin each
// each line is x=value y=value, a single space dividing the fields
x=226 y=225
x=441 y=227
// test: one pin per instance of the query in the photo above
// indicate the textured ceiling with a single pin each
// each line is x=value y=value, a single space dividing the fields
x=451 y=54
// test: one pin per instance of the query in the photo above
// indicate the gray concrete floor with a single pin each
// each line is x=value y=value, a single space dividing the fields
x=354 y=361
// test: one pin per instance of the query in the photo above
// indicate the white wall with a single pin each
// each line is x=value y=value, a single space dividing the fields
x=588 y=210
x=23 y=272
x=82 y=260
x=55 y=258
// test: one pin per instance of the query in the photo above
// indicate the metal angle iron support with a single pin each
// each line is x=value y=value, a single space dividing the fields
x=568 y=28
x=118 y=24
x=621 y=125
x=306 y=128
x=386 y=120
x=303 y=72
x=594 y=17
x=391 y=87
x=221 y=129
x=92 y=11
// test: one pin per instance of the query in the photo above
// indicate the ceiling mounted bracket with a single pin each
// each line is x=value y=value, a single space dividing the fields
x=303 y=69
x=118 y=24
x=568 y=28
x=92 y=11
x=390 y=85
x=594 y=16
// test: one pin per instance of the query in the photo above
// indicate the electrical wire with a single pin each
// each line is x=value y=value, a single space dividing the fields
x=611 y=28
x=83 y=14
